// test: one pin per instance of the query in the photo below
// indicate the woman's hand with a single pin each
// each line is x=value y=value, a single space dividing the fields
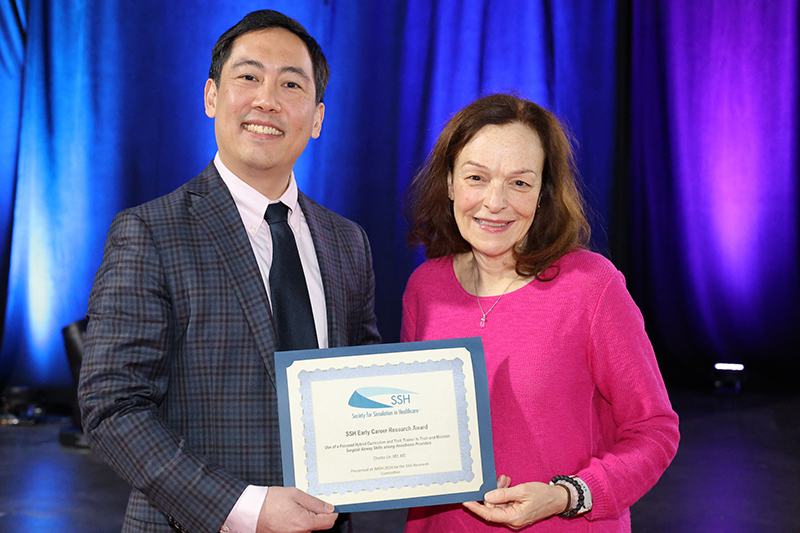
x=503 y=482
x=521 y=505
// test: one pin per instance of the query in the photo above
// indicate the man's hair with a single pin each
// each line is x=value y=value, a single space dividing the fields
x=560 y=223
x=262 y=20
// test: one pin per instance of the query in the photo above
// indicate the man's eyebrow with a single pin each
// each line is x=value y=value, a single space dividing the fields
x=296 y=70
x=248 y=63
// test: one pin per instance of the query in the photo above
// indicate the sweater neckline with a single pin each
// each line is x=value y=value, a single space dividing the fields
x=467 y=294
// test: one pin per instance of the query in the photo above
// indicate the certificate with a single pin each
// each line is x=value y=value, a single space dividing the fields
x=387 y=426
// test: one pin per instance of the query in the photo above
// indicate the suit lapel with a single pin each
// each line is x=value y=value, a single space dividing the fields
x=330 y=266
x=216 y=212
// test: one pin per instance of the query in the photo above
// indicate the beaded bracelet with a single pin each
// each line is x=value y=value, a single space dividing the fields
x=570 y=499
x=576 y=506
x=587 y=495
x=573 y=495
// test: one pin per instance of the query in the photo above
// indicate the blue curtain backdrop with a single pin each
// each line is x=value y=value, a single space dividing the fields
x=102 y=109
x=13 y=30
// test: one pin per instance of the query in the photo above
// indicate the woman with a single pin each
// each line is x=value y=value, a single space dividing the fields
x=581 y=421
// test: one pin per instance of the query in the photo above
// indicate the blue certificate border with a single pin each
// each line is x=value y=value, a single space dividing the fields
x=473 y=345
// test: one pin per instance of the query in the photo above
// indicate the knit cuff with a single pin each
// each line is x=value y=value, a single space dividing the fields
x=602 y=506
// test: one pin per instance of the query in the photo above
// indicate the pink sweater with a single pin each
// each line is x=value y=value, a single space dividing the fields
x=573 y=382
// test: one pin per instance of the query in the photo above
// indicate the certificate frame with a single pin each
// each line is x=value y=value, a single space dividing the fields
x=436 y=449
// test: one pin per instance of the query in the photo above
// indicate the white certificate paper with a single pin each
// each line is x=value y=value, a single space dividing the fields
x=387 y=426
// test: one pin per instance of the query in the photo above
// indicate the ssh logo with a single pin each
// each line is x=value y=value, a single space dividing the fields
x=379 y=397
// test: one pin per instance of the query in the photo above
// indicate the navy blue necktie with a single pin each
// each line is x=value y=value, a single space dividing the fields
x=291 y=305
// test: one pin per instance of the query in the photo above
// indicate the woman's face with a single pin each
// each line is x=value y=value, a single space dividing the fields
x=495 y=188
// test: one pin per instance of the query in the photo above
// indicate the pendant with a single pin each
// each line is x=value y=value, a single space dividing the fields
x=483 y=320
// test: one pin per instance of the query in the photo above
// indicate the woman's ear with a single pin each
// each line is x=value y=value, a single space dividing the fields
x=450 y=185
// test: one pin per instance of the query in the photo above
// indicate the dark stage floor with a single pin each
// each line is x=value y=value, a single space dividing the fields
x=737 y=470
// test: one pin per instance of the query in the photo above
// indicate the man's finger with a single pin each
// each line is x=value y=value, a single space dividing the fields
x=312 y=504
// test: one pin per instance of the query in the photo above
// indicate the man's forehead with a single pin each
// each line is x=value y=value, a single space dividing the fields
x=279 y=37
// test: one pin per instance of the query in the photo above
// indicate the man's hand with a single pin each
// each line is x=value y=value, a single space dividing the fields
x=290 y=510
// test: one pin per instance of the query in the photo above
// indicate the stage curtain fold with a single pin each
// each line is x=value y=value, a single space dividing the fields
x=713 y=196
x=13 y=30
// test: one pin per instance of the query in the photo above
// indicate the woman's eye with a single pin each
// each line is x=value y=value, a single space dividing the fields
x=520 y=183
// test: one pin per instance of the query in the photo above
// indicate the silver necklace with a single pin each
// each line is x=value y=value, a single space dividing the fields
x=486 y=313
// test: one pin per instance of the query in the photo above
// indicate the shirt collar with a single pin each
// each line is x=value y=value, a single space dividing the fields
x=252 y=205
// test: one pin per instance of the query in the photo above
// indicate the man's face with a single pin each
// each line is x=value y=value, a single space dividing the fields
x=264 y=109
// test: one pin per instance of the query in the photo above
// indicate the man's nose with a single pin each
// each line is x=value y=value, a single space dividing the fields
x=266 y=98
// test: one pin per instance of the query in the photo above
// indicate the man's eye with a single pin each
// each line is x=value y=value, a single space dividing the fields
x=248 y=77
x=292 y=85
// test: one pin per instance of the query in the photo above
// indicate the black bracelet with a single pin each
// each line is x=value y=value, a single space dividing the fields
x=568 y=507
x=566 y=479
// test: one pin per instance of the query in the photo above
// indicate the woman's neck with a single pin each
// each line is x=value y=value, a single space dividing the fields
x=487 y=276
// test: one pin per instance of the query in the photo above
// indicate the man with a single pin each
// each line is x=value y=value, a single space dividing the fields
x=177 y=386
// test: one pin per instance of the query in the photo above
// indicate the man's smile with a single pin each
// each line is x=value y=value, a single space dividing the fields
x=256 y=128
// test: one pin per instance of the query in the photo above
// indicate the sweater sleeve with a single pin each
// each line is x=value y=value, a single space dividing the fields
x=629 y=383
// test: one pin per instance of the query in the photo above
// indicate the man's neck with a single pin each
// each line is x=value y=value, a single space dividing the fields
x=271 y=183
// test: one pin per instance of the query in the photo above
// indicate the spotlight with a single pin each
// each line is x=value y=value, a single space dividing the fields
x=736 y=367
x=728 y=377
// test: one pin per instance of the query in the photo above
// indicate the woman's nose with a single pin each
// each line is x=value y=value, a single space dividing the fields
x=496 y=197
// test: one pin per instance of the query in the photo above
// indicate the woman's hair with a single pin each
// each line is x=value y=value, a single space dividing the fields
x=560 y=223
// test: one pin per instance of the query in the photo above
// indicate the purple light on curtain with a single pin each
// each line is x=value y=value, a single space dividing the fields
x=732 y=98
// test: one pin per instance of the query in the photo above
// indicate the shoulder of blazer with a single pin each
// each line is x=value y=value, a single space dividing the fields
x=206 y=183
x=320 y=215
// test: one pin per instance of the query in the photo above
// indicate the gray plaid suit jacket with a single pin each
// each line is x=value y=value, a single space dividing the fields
x=177 y=386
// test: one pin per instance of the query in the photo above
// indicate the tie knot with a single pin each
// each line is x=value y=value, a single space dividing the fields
x=276 y=213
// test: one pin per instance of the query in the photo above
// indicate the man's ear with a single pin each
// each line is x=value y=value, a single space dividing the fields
x=210 y=98
x=319 y=114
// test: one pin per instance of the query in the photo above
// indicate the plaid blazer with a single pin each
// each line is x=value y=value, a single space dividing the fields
x=177 y=387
